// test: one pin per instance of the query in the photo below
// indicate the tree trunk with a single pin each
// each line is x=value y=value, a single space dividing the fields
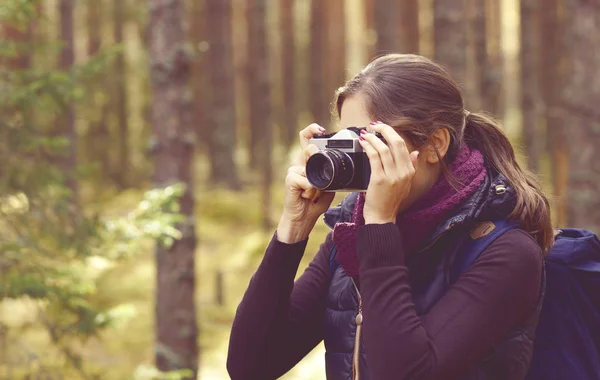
x=288 y=52
x=120 y=98
x=336 y=71
x=387 y=19
x=23 y=59
x=221 y=114
x=66 y=123
x=492 y=88
x=176 y=328
x=551 y=80
x=199 y=84
x=319 y=96
x=409 y=26
x=259 y=87
x=450 y=38
x=477 y=49
x=98 y=136
x=370 y=29
x=582 y=97
x=531 y=131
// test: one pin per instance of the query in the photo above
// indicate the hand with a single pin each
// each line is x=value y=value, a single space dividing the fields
x=302 y=204
x=392 y=171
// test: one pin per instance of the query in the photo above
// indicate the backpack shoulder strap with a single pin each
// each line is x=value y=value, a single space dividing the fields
x=475 y=243
x=333 y=264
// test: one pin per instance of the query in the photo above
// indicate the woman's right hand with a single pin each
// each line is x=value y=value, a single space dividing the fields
x=303 y=204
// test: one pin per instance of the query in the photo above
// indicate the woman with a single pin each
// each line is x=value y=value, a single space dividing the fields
x=377 y=292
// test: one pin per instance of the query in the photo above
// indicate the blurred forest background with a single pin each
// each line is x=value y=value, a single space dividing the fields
x=144 y=146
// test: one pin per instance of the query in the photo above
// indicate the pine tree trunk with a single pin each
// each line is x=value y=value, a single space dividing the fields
x=531 y=130
x=176 y=327
x=221 y=113
x=492 y=88
x=582 y=96
x=477 y=50
x=387 y=19
x=120 y=98
x=260 y=100
x=288 y=52
x=98 y=135
x=336 y=61
x=199 y=82
x=409 y=26
x=65 y=126
x=450 y=37
x=370 y=29
x=551 y=80
x=319 y=96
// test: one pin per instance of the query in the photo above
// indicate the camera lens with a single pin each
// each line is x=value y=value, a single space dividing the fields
x=330 y=169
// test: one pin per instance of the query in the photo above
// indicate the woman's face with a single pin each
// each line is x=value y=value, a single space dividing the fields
x=428 y=168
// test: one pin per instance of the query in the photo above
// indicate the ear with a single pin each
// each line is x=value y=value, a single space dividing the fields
x=438 y=143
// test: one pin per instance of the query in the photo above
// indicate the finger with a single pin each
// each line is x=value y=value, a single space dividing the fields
x=387 y=160
x=307 y=133
x=308 y=151
x=374 y=159
x=395 y=143
x=300 y=183
x=414 y=158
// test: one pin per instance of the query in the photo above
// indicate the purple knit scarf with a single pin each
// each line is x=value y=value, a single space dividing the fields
x=421 y=218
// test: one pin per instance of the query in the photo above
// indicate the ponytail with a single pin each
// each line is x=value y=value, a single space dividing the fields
x=532 y=207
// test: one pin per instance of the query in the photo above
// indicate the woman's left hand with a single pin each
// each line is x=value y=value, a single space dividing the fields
x=392 y=171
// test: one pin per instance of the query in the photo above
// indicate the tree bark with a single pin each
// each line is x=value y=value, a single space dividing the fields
x=582 y=96
x=120 y=97
x=98 y=136
x=450 y=37
x=259 y=87
x=551 y=80
x=409 y=33
x=478 y=59
x=66 y=124
x=199 y=84
x=319 y=97
x=370 y=29
x=387 y=19
x=176 y=327
x=336 y=41
x=288 y=52
x=221 y=114
x=492 y=87
x=531 y=130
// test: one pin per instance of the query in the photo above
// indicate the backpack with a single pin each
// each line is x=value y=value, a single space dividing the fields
x=567 y=341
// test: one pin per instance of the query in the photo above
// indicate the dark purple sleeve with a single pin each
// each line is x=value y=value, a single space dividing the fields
x=278 y=321
x=495 y=294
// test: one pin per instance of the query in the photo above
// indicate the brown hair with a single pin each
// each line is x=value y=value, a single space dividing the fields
x=417 y=97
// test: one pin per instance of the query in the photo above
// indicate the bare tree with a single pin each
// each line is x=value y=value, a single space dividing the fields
x=319 y=96
x=531 y=130
x=336 y=47
x=65 y=126
x=450 y=37
x=551 y=80
x=387 y=19
x=221 y=131
x=259 y=87
x=409 y=33
x=492 y=88
x=288 y=52
x=176 y=328
x=120 y=97
x=582 y=96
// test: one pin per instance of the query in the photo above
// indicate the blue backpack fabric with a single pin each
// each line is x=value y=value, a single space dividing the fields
x=567 y=341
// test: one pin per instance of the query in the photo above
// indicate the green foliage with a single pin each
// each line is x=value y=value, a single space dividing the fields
x=53 y=252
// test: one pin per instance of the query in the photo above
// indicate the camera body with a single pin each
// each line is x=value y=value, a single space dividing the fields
x=341 y=163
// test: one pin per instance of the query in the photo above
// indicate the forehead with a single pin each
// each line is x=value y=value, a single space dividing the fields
x=354 y=112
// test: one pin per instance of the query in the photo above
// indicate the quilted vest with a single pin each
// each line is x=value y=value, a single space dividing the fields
x=509 y=359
